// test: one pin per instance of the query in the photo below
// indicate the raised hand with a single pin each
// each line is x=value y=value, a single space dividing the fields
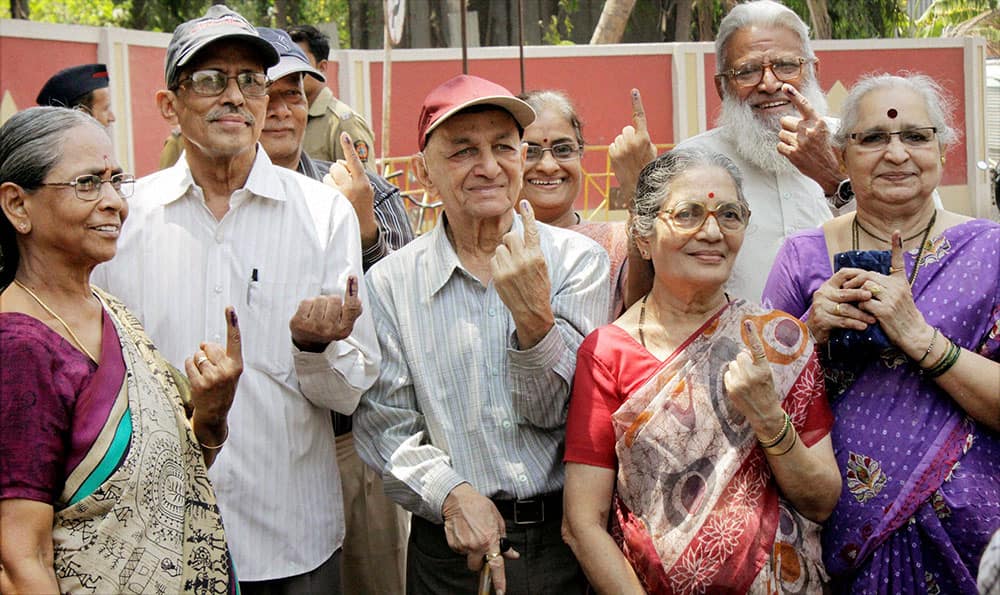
x=521 y=277
x=214 y=373
x=805 y=141
x=632 y=150
x=750 y=385
x=348 y=176
x=323 y=319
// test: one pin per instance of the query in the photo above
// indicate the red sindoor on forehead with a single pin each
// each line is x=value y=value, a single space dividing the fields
x=892 y=113
x=711 y=195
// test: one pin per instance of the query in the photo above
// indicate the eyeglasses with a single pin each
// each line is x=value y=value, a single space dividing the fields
x=872 y=140
x=690 y=215
x=751 y=74
x=561 y=152
x=88 y=187
x=211 y=83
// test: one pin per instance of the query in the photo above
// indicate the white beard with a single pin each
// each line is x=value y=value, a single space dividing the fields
x=756 y=138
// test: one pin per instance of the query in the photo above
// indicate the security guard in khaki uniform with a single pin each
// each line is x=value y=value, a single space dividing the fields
x=329 y=116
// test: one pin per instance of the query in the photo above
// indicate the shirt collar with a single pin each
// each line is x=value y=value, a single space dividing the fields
x=318 y=107
x=444 y=262
x=263 y=180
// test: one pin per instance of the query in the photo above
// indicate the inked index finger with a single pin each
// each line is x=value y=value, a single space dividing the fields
x=354 y=165
x=801 y=103
x=530 y=226
x=753 y=342
x=896 y=262
x=638 y=112
x=234 y=341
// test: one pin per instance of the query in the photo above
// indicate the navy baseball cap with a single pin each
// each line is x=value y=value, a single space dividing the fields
x=291 y=57
x=70 y=84
x=219 y=22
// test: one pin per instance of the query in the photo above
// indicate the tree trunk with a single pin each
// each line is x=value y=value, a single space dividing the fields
x=19 y=9
x=705 y=16
x=682 y=20
x=819 y=17
x=614 y=17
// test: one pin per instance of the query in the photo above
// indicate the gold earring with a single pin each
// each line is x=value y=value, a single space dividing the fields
x=942 y=160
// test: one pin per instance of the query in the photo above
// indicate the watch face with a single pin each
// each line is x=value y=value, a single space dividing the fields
x=845 y=192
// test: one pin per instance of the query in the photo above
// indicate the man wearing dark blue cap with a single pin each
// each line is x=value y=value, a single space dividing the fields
x=84 y=87
x=226 y=226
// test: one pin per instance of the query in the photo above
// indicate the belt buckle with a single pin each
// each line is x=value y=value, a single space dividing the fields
x=532 y=514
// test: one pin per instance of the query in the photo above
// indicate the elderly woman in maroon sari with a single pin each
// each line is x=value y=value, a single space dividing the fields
x=916 y=424
x=104 y=447
x=698 y=423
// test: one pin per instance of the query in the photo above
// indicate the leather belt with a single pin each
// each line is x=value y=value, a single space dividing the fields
x=531 y=511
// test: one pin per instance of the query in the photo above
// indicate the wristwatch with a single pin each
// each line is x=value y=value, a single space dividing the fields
x=843 y=195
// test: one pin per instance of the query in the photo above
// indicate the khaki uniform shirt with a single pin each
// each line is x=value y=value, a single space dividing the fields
x=328 y=117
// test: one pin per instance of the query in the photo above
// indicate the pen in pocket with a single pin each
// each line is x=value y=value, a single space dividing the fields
x=251 y=285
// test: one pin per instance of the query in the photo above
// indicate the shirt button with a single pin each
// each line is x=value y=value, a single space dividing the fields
x=217 y=338
x=493 y=312
x=218 y=289
x=495 y=372
x=506 y=424
x=218 y=237
x=522 y=478
x=785 y=195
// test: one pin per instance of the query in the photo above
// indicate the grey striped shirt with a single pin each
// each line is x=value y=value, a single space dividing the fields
x=455 y=399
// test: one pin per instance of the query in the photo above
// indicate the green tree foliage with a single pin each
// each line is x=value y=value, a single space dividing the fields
x=560 y=26
x=165 y=15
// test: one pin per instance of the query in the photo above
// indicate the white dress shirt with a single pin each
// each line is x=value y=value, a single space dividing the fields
x=285 y=238
x=456 y=399
x=781 y=204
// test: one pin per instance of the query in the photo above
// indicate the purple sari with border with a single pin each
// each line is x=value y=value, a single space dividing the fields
x=921 y=479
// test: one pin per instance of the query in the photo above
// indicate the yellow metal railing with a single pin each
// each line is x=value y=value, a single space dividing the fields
x=423 y=211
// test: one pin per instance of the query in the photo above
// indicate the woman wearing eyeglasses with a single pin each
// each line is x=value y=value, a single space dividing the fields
x=909 y=328
x=104 y=446
x=698 y=424
x=553 y=180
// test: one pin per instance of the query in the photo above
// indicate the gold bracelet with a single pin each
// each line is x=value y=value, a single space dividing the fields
x=777 y=438
x=795 y=436
x=929 y=347
x=217 y=446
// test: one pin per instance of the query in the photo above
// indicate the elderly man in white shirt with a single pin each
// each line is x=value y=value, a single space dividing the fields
x=224 y=226
x=772 y=126
x=479 y=321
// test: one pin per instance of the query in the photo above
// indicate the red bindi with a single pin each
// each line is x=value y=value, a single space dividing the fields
x=711 y=195
x=892 y=113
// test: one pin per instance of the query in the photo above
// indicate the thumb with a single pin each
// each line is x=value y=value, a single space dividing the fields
x=896 y=263
x=234 y=342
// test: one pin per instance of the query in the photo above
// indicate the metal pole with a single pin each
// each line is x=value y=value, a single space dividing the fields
x=520 y=38
x=465 y=39
x=386 y=86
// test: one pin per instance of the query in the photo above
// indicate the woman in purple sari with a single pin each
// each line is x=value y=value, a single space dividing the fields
x=911 y=351
x=104 y=447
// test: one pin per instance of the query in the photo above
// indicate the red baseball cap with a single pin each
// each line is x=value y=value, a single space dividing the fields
x=465 y=91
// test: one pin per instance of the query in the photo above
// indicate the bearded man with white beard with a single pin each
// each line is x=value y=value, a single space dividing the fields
x=771 y=126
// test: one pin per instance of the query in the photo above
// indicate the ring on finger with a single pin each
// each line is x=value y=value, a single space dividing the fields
x=491 y=556
x=875 y=289
x=836 y=309
x=201 y=359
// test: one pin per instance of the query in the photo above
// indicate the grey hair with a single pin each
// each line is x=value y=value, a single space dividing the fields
x=653 y=188
x=560 y=102
x=31 y=144
x=939 y=104
x=761 y=13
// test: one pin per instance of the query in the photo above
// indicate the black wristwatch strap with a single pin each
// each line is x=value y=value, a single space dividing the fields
x=843 y=195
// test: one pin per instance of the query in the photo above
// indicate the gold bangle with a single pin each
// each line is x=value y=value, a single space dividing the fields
x=217 y=446
x=795 y=436
x=777 y=438
x=929 y=347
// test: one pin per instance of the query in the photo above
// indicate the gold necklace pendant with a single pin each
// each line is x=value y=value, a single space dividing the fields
x=45 y=307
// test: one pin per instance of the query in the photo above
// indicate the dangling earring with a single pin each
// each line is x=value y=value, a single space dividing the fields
x=942 y=159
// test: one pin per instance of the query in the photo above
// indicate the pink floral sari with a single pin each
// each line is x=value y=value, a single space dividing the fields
x=696 y=508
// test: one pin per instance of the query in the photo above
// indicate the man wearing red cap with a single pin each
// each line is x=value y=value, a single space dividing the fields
x=479 y=321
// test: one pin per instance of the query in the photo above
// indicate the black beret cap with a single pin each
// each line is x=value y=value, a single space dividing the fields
x=68 y=85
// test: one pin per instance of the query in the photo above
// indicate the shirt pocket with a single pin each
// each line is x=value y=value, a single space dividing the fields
x=268 y=346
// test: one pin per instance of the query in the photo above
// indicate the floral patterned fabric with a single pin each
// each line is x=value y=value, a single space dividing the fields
x=697 y=508
x=921 y=479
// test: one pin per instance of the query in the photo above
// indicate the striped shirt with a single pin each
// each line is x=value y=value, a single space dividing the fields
x=285 y=238
x=456 y=400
